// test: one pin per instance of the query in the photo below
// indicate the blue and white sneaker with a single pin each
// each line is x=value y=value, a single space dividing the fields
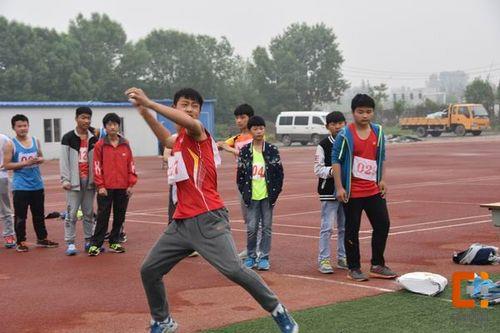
x=167 y=326
x=263 y=264
x=284 y=320
x=71 y=250
x=250 y=263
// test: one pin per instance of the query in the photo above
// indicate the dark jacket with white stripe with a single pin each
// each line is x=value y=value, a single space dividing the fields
x=322 y=167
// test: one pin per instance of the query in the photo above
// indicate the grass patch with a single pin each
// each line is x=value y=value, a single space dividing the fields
x=393 y=312
x=397 y=130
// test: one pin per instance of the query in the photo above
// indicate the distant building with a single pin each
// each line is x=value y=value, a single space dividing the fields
x=416 y=96
x=49 y=121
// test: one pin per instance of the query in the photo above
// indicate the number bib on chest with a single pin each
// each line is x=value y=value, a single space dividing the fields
x=177 y=171
x=83 y=155
x=28 y=156
x=258 y=171
x=364 y=168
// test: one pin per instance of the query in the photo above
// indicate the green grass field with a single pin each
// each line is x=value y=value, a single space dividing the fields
x=393 y=312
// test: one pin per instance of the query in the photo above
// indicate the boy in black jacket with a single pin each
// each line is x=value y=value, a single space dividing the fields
x=260 y=180
x=332 y=212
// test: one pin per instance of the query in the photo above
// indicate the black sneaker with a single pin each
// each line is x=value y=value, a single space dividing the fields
x=123 y=238
x=22 y=247
x=46 y=243
x=382 y=272
x=357 y=275
x=93 y=251
x=116 y=247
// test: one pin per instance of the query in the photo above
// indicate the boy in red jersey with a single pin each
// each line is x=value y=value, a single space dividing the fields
x=201 y=222
x=358 y=157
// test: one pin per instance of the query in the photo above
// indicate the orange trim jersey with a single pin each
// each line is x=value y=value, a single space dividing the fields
x=197 y=194
x=240 y=140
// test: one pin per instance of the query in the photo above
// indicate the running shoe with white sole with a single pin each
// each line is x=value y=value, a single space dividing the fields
x=357 y=275
x=71 y=250
x=116 y=247
x=284 y=320
x=167 y=326
x=325 y=266
x=382 y=272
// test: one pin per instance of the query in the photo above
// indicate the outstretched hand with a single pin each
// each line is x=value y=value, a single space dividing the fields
x=137 y=97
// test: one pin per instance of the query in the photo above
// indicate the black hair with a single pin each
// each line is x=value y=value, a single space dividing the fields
x=362 y=100
x=188 y=93
x=244 y=109
x=113 y=117
x=256 y=121
x=335 y=117
x=83 y=110
x=18 y=117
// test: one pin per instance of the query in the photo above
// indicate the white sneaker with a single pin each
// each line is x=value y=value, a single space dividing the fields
x=71 y=250
x=167 y=326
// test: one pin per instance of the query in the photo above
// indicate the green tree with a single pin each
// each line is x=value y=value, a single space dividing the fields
x=480 y=91
x=133 y=67
x=39 y=64
x=399 y=108
x=170 y=60
x=498 y=92
x=379 y=95
x=301 y=68
x=101 y=44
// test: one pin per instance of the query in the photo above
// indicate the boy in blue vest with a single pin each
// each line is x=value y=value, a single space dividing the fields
x=358 y=168
x=332 y=211
x=24 y=157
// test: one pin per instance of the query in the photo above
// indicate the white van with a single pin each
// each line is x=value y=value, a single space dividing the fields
x=301 y=126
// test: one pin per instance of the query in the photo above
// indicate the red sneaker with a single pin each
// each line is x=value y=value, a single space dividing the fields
x=10 y=242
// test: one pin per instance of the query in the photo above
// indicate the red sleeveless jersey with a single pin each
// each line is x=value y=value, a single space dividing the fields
x=197 y=194
x=367 y=149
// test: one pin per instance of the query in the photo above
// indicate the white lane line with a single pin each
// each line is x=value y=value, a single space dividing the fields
x=425 y=223
x=146 y=222
x=361 y=231
x=151 y=212
x=439 y=221
x=434 y=228
x=317 y=237
x=446 y=202
x=443 y=182
x=340 y=282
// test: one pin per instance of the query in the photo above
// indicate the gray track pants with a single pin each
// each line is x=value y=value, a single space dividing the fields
x=5 y=208
x=210 y=235
x=74 y=200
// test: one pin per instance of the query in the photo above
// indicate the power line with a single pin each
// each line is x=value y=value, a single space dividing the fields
x=389 y=75
x=470 y=71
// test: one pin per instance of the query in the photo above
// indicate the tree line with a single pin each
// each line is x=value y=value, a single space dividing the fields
x=94 y=60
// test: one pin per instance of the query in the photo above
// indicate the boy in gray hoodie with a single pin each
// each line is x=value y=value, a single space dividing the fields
x=77 y=177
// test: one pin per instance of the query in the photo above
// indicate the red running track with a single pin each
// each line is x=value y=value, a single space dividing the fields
x=435 y=189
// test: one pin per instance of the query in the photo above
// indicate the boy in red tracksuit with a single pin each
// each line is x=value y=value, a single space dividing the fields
x=114 y=177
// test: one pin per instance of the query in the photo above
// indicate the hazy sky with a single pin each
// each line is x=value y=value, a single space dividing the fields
x=399 y=42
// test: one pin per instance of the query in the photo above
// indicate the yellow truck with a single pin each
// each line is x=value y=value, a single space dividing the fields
x=457 y=118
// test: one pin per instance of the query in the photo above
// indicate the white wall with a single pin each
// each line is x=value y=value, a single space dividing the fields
x=142 y=140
